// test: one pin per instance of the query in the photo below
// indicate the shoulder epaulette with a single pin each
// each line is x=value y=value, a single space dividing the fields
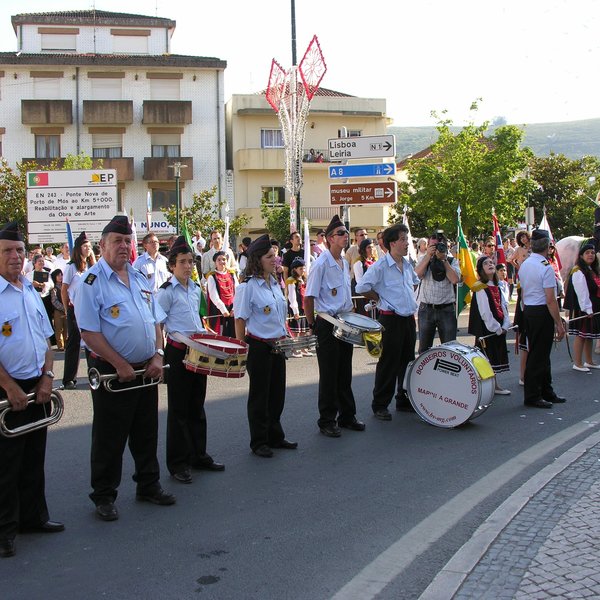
x=165 y=285
x=478 y=286
x=290 y=281
x=209 y=274
x=232 y=271
x=545 y=263
x=90 y=278
x=574 y=269
x=195 y=283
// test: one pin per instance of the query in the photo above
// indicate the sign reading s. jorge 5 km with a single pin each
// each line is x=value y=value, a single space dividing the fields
x=367 y=146
x=362 y=193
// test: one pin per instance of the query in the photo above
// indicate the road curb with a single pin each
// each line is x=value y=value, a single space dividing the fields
x=451 y=577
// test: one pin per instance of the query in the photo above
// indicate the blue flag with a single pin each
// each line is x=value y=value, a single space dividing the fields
x=69 y=236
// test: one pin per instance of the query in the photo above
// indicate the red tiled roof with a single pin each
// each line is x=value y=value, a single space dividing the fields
x=89 y=17
x=320 y=92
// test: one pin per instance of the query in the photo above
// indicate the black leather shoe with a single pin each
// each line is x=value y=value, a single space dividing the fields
x=539 y=403
x=557 y=400
x=263 y=451
x=383 y=414
x=184 y=476
x=70 y=385
x=47 y=527
x=353 y=425
x=7 y=548
x=107 y=512
x=213 y=466
x=156 y=496
x=330 y=431
x=286 y=445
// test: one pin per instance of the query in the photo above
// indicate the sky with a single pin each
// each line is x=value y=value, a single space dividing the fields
x=530 y=61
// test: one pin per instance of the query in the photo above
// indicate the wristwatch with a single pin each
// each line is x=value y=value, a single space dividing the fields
x=49 y=374
x=160 y=352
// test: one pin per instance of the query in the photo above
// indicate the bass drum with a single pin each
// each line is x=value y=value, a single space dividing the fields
x=450 y=384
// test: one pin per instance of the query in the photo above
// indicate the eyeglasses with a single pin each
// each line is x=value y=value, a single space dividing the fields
x=490 y=246
x=361 y=235
x=341 y=233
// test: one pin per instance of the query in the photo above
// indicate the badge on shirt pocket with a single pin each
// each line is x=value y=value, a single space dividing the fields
x=115 y=311
x=147 y=296
x=267 y=310
x=6 y=329
x=334 y=291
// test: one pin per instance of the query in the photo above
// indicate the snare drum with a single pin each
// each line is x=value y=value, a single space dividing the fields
x=220 y=356
x=450 y=384
x=359 y=330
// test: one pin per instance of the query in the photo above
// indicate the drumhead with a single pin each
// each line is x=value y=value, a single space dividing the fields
x=443 y=386
x=219 y=342
x=360 y=321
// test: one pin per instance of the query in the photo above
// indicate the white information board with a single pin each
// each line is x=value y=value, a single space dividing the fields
x=87 y=198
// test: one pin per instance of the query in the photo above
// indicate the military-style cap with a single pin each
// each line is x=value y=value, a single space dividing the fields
x=297 y=262
x=118 y=224
x=180 y=246
x=586 y=245
x=540 y=234
x=11 y=232
x=80 y=240
x=333 y=225
x=260 y=245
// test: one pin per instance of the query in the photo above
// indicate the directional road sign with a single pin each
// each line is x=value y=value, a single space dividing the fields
x=362 y=193
x=365 y=146
x=373 y=170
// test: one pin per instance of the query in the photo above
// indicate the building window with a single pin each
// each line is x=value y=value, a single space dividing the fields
x=107 y=89
x=47 y=146
x=165 y=89
x=130 y=44
x=273 y=195
x=354 y=132
x=271 y=138
x=166 y=145
x=46 y=88
x=162 y=199
x=107 y=145
x=59 y=42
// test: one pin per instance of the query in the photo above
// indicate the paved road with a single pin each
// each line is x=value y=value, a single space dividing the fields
x=374 y=514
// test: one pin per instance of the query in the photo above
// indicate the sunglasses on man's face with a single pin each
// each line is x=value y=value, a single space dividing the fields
x=341 y=232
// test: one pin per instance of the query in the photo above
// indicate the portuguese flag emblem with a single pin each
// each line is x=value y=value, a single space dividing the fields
x=36 y=179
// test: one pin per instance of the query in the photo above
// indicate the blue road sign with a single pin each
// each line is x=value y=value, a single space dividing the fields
x=371 y=170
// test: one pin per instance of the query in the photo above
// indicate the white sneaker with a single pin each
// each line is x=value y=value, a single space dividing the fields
x=501 y=392
x=521 y=382
x=591 y=366
x=582 y=369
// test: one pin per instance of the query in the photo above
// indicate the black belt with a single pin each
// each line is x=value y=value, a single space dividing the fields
x=437 y=305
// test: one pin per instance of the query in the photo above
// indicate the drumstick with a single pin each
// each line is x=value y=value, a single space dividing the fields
x=494 y=334
x=583 y=317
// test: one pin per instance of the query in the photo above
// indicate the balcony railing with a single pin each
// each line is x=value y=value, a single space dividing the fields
x=319 y=213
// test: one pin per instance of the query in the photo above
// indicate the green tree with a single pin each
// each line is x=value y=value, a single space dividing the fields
x=563 y=186
x=204 y=214
x=81 y=161
x=277 y=220
x=469 y=169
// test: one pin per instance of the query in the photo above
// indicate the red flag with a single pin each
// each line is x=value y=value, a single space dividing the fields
x=500 y=256
x=134 y=243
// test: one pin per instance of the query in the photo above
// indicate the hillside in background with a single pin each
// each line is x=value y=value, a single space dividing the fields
x=573 y=138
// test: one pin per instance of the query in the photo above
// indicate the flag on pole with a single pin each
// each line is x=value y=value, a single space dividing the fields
x=412 y=253
x=306 y=247
x=226 y=234
x=69 y=236
x=134 y=242
x=500 y=256
x=469 y=277
x=545 y=225
x=148 y=211
x=185 y=232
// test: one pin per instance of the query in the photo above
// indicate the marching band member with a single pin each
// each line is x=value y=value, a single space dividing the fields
x=82 y=259
x=391 y=282
x=221 y=285
x=260 y=312
x=119 y=321
x=489 y=315
x=582 y=299
x=542 y=322
x=328 y=291
x=25 y=366
x=186 y=420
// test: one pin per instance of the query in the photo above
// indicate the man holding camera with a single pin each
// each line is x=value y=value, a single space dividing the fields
x=439 y=273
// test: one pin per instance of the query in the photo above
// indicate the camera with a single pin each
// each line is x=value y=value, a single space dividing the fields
x=441 y=247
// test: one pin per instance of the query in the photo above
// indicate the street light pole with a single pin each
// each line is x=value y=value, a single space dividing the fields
x=177 y=166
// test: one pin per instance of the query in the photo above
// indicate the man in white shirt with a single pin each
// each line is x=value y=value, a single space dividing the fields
x=152 y=264
x=62 y=259
x=216 y=244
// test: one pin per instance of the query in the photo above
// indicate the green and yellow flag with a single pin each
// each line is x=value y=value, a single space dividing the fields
x=195 y=275
x=469 y=277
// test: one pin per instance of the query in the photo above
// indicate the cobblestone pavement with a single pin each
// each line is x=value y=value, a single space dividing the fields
x=551 y=548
